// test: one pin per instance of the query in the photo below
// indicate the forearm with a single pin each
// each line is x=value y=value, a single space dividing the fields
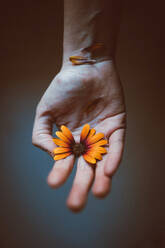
x=87 y=22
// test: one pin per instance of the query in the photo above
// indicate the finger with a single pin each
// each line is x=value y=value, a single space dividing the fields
x=102 y=183
x=42 y=133
x=81 y=185
x=60 y=172
x=114 y=156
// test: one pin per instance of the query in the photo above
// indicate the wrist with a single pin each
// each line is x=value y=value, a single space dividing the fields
x=86 y=23
x=94 y=53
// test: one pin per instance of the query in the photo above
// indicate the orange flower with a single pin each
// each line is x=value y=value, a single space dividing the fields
x=90 y=146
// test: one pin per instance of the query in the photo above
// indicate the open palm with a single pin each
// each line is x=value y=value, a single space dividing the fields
x=78 y=95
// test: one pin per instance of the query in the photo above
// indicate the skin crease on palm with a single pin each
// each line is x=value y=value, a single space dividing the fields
x=88 y=93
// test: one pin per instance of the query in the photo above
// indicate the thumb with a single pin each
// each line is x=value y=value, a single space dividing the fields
x=42 y=133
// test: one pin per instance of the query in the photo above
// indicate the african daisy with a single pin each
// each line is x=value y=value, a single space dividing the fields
x=90 y=145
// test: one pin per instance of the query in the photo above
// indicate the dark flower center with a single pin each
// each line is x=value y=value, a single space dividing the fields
x=79 y=149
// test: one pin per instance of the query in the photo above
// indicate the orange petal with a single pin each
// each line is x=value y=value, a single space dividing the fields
x=101 y=149
x=72 y=58
x=99 y=143
x=84 y=132
x=97 y=149
x=78 y=60
x=59 y=142
x=67 y=132
x=98 y=156
x=61 y=150
x=95 y=154
x=91 y=132
x=61 y=156
x=95 y=138
x=89 y=158
x=63 y=137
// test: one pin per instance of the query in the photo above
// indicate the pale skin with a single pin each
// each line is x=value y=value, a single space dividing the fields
x=87 y=93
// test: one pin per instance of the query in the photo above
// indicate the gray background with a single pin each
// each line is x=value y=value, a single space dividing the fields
x=33 y=215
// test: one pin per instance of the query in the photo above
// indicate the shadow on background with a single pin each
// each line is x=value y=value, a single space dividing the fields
x=33 y=215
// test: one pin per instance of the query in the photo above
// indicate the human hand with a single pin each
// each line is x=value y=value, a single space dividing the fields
x=88 y=93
